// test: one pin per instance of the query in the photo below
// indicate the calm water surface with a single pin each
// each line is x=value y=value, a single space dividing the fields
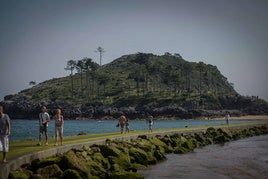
x=246 y=158
x=28 y=129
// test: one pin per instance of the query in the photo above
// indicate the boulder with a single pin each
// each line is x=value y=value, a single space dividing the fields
x=71 y=174
x=25 y=174
x=71 y=161
x=50 y=171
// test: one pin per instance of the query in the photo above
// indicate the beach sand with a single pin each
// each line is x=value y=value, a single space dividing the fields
x=251 y=117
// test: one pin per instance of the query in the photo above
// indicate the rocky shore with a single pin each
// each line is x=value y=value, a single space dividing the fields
x=24 y=109
x=122 y=159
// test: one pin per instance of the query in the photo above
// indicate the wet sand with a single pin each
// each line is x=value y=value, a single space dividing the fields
x=246 y=158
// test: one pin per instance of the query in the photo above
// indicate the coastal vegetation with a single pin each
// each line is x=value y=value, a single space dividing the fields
x=136 y=84
x=122 y=159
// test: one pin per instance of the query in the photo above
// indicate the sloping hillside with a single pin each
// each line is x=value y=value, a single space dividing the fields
x=136 y=84
x=147 y=78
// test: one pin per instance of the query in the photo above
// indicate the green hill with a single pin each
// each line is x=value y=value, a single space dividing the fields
x=136 y=84
x=138 y=79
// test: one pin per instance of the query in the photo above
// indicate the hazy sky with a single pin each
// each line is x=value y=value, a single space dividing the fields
x=38 y=37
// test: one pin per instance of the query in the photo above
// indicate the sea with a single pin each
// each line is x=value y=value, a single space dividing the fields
x=246 y=158
x=23 y=129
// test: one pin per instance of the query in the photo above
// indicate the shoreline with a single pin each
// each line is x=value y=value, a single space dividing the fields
x=247 y=117
x=83 y=143
x=25 y=151
x=251 y=117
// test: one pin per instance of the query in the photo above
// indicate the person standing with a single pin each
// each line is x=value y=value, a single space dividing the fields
x=227 y=118
x=121 y=121
x=43 y=124
x=58 y=127
x=150 y=123
x=127 y=126
x=4 y=133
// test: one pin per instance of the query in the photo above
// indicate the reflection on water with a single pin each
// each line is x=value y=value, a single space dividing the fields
x=246 y=158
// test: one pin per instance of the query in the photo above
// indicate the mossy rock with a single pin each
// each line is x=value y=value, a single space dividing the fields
x=123 y=161
x=236 y=136
x=190 y=144
x=116 y=168
x=187 y=146
x=71 y=161
x=175 y=136
x=145 y=145
x=143 y=136
x=159 y=155
x=20 y=174
x=158 y=143
x=35 y=164
x=211 y=132
x=107 y=151
x=199 y=137
x=71 y=174
x=50 y=171
x=225 y=132
x=138 y=166
x=263 y=129
x=99 y=158
x=208 y=141
x=138 y=156
x=180 y=150
x=221 y=139
x=257 y=130
x=125 y=174
x=169 y=141
x=96 y=168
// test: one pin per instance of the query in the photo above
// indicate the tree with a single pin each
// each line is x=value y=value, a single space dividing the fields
x=137 y=76
x=80 y=66
x=89 y=66
x=178 y=55
x=32 y=83
x=188 y=71
x=200 y=67
x=71 y=64
x=101 y=51
x=103 y=79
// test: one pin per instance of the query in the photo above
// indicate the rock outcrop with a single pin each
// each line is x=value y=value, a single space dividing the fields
x=25 y=109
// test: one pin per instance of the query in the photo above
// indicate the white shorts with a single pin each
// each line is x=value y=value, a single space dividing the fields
x=4 y=145
x=58 y=131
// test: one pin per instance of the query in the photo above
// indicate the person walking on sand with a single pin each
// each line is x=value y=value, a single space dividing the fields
x=121 y=121
x=150 y=123
x=58 y=127
x=227 y=118
x=43 y=124
x=4 y=133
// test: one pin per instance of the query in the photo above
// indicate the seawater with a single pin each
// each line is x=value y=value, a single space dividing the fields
x=246 y=158
x=28 y=129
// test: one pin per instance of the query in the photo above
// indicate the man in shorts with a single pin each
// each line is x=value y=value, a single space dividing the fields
x=4 y=133
x=43 y=124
